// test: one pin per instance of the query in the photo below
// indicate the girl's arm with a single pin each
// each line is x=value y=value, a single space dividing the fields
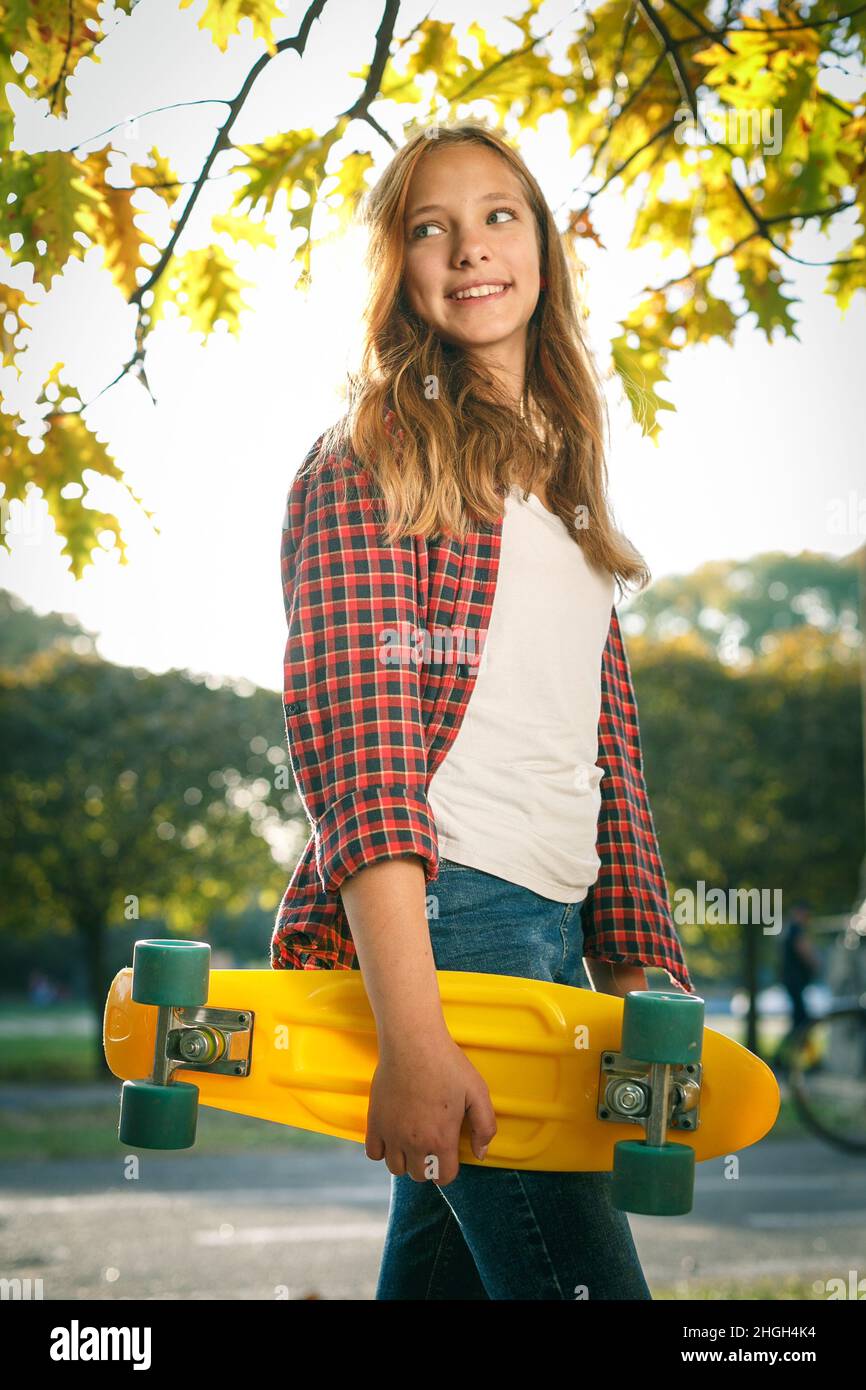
x=357 y=743
x=385 y=904
x=424 y=1085
x=351 y=680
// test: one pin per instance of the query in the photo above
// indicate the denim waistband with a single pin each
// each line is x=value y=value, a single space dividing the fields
x=484 y=923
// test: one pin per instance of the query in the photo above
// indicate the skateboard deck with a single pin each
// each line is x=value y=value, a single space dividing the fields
x=548 y=1053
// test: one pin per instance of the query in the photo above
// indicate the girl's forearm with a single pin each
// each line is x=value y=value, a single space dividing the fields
x=609 y=977
x=385 y=907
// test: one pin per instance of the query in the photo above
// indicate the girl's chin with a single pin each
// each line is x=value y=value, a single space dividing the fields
x=482 y=337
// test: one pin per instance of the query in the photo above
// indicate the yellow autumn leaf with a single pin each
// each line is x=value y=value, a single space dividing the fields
x=56 y=202
x=243 y=229
x=223 y=19
x=205 y=285
x=14 y=305
x=159 y=175
x=115 y=227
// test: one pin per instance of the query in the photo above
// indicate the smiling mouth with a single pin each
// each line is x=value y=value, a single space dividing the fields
x=498 y=293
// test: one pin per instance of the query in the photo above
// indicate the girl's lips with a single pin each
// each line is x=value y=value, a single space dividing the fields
x=480 y=298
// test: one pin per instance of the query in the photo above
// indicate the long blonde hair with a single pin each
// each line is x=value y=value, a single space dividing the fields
x=442 y=465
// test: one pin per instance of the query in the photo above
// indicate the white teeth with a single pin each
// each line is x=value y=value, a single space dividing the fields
x=479 y=292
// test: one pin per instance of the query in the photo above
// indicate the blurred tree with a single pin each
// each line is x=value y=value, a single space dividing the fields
x=739 y=610
x=755 y=778
x=101 y=769
x=23 y=632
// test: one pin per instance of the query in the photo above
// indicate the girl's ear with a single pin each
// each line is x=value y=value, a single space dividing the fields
x=543 y=284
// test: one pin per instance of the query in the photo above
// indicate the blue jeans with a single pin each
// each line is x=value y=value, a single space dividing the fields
x=505 y=1233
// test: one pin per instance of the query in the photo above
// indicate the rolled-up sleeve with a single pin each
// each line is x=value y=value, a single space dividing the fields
x=352 y=680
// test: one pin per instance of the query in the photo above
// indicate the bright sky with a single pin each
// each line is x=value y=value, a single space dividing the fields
x=766 y=450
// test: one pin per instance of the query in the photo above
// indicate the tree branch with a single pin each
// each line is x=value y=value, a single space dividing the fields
x=845 y=260
x=776 y=29
x=610 y=129
x=298 y=43
x=62 y=73
x=384 y=35
x=624 y=163
x=161 y=183
x=359 y=109
x=154 y=110
x=810 y=212
x=694 y=271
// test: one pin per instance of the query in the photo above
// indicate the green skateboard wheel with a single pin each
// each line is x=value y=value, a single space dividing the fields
x=653 y=1181
x=171 y=973
x=158 y=1117
x=662 y=1025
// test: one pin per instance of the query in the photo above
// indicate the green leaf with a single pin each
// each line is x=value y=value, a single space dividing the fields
x=54 y=202
x=641 y=369
x=762 y=284
x=66 y=452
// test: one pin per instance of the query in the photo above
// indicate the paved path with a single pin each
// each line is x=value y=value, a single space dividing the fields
x=295 y=1224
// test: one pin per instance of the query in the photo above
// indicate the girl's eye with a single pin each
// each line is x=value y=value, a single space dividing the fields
x=422 y=225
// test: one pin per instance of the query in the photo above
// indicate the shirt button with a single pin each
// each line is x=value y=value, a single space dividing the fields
x=293 y=709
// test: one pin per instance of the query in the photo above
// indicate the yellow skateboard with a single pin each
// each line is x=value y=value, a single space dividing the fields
x=579 y=1081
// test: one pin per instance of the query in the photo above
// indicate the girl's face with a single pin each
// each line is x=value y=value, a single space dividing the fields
x=468 y=223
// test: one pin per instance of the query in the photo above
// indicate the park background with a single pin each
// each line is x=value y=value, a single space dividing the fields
x=143 y=734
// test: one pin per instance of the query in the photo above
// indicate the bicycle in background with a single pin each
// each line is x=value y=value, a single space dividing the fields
x=826 y=1056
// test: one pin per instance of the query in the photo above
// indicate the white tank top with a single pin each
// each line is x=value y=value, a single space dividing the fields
x=517 y=794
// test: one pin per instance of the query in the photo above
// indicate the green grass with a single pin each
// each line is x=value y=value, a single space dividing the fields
x=90 y=1131
x=53 y=1044
x=52 y=1059
x=62 y=1014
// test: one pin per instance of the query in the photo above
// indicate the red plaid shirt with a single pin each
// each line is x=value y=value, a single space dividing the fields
x=366 y=731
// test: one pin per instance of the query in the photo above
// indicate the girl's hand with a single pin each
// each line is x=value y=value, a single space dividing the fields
x=422 y=1090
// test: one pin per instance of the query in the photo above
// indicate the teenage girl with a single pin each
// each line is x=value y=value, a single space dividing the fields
x=474 y=338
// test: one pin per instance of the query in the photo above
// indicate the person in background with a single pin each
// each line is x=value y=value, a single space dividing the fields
x=800 y=965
